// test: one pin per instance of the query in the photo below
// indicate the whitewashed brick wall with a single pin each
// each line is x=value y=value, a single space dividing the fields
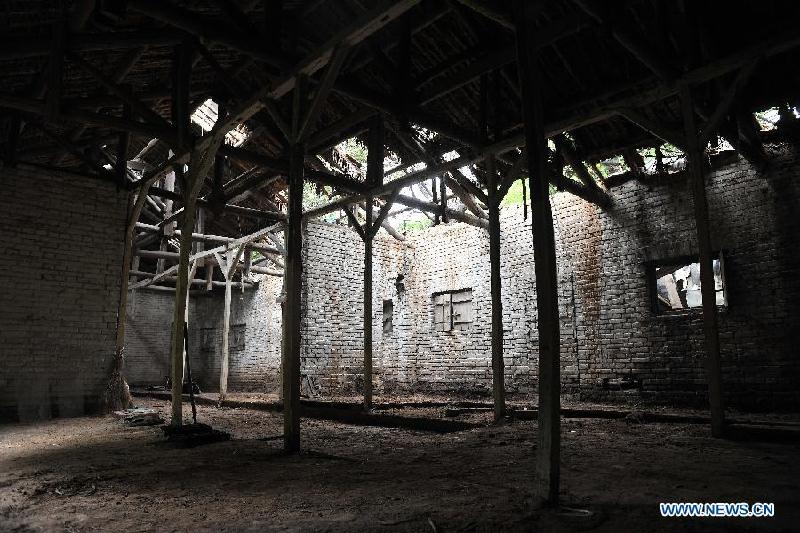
x=61 y=239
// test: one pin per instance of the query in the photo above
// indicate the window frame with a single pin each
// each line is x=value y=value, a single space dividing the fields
x=449 y=321
x=683 y=260
x=388 y=304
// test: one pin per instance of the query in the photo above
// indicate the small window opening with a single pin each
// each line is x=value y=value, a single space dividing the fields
x=388 y=311
x=453 y=310
x=677 y=285
x=236 y=338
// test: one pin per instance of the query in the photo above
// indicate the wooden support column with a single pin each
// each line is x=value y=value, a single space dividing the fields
x=291 y=316
x=498 y=372
x=375 y=154
x=544 y=251
x=200 y=162
x=117 y=395
x=707 y=289
x=368 y=306
x=228 y=268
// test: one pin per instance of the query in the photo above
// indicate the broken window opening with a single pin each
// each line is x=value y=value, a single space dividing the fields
x=453 y=310
x=677 y=285
x=388 y=312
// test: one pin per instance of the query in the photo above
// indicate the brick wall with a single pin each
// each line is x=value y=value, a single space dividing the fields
x=60 y=257
x=255 y=312
x=610 y=334
x=147 y=337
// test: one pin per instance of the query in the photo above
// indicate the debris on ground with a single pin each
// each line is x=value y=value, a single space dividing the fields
x=139 y=416
x=191 y=435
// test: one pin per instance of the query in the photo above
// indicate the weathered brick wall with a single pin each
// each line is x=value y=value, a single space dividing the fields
x=333 y=342
x=257 y=312
x=603 y=288
x=602 y=258
x=60 y=257
x=147 y=337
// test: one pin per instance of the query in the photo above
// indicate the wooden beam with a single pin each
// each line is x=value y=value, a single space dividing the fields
x=567 y=151
x=25 y=47
x=201 y=159
x=56 y=67
x=354 y=222
x=465 y=197
x=228 y=268
x=726 y=104
x=663 y=132
x=498 y=58
x=530 y=80
x=498 y=372
x=330 y=135
x=205 y=28
x=375 y=156
x=123 y=93
x=80 y=13
x=639 y=48
x=513 y=173
x=75 y=152
x=367 y=299
x=282 y=166
x=490 y=11
x=707 y=288
x=292 y=309
x=121 y=167
x=117 y=394
x=431 y=207
x=246 y=240
x=323 y=90
x=384 y=212
x=181 y=83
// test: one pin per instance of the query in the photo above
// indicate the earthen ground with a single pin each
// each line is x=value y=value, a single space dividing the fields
x=95 y=474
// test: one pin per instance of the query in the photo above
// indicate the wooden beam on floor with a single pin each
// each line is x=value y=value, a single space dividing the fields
x=549 y=435
x=707 y=289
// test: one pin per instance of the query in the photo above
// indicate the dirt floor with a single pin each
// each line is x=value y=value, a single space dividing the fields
x=96 y=474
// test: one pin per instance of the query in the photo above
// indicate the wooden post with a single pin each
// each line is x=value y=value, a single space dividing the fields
x=228 y=268
x=375 y=154
x=117 y=395
x=226 y=327
x=292 y=309
x=707 y=289
x=199 y=163
x=498 y=372
x=544 y=251
x=368 y=306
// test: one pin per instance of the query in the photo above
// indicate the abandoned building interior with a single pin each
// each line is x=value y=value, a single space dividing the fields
x=413 y=265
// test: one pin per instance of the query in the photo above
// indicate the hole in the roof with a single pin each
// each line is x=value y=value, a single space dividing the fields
x=206 y=116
